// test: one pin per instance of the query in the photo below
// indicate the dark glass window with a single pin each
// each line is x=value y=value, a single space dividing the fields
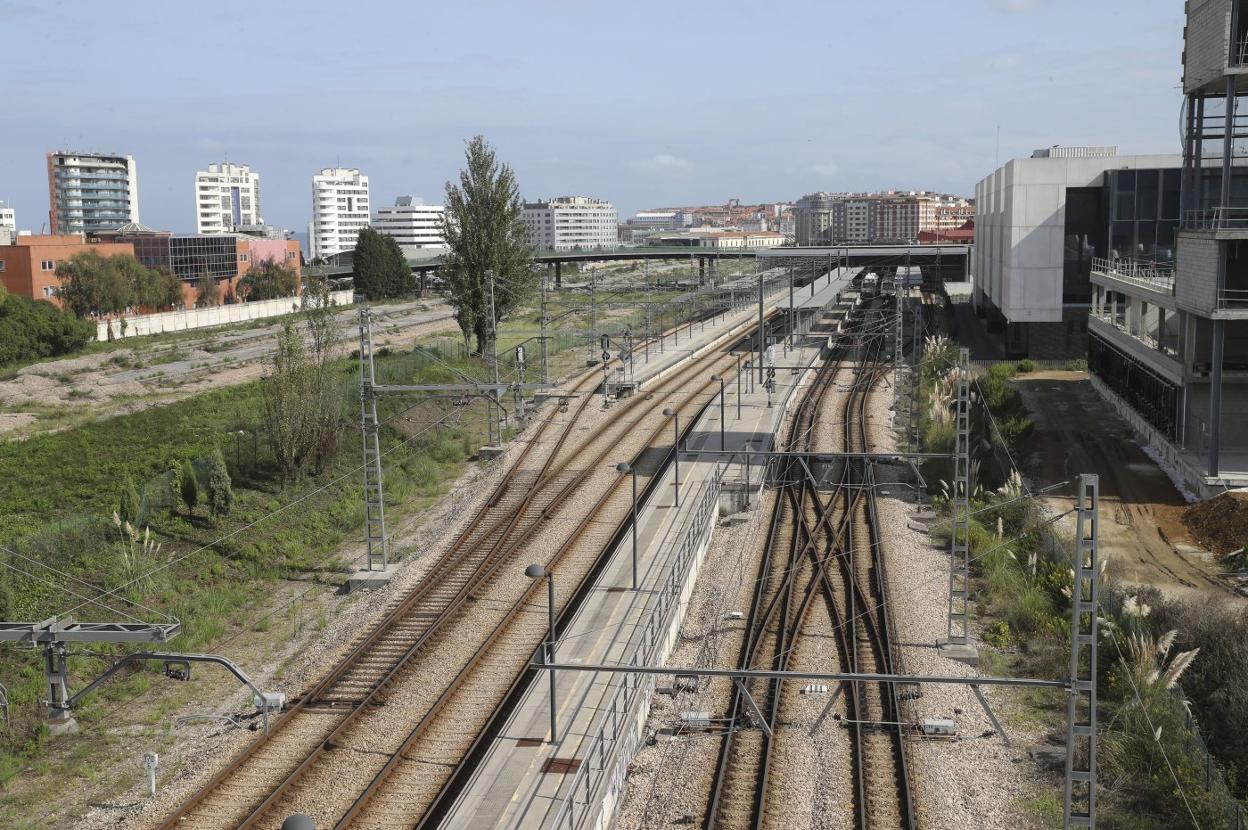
x=1171 y=183
x=1147 y=194
x=1124 y=194
x=1084 y=238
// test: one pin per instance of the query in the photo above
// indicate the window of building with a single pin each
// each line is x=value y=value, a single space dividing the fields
x=47 y=265
x=2 y=264
x=49 y=291
x=242 y=257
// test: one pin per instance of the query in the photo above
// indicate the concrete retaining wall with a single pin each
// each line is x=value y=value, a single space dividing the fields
x=198 y=318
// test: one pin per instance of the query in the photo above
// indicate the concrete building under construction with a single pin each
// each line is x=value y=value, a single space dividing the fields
x=1168 y=337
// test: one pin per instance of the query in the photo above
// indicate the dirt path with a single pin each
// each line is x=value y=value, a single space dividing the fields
x=1141 y=530
x=61 y=393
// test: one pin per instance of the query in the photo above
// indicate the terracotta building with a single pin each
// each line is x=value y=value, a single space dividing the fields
x=28 y=266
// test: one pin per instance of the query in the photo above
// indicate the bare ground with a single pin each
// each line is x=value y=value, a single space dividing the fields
x=67 y=392
x=1142 y=529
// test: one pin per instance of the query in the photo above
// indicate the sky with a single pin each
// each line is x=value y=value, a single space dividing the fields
x=642 y=103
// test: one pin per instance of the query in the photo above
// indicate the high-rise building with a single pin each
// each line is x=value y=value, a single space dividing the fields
x=227 y=197
x=571 y=222
x=90 y=192
x=416 y=226
x=340 y=210
x=8 y=224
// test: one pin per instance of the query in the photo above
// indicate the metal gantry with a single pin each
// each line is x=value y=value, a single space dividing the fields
x=960 y=510
x=370 y=428
x=1080 y=801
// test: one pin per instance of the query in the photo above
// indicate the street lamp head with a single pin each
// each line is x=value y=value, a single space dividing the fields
x=733 y=354
x=535 y=571
x=669 y=412
x=623 y=468
x=716 y=377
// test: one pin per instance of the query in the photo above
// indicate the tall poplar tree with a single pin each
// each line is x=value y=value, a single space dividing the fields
x=485 y=234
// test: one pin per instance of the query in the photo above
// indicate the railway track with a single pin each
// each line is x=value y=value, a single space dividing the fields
x=374 y=741
x=819 y=571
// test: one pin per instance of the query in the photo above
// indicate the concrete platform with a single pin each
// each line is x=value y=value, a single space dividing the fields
x=524 y=781
x=371 y=580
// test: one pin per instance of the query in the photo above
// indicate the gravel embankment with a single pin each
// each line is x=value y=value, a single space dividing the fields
x=976 y=781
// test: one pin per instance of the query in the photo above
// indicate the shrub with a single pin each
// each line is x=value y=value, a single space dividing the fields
x=31 y=330
x=128 y=502
x=1027 y=365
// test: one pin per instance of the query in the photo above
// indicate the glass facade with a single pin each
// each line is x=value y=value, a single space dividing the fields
x=1085 y=234
x=188 y=257
x=1144 y=214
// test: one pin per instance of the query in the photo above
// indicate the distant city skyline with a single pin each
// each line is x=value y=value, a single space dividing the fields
x=743 y=103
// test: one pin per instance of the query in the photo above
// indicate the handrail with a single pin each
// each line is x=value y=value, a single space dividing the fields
x=601 y=755
x=1154 y=275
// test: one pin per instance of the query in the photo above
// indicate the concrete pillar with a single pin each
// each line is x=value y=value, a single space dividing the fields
x=558 y=275
x=1215 y=396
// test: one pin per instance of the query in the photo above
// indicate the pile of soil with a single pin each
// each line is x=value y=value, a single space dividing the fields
x=1221 y=523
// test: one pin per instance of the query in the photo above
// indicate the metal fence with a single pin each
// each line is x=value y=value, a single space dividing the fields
x=1158 y=276
x=604 y=764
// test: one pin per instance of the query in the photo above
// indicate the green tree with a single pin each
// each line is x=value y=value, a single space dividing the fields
x=190 y=486
x=220 y=493
x=302 y=395
x=268 y=280
x=378 y=266
x=92 y=284
x=486 y=237
x=207 y=291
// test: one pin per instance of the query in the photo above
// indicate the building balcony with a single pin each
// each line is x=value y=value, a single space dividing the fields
x=1223 y=222
x=1157 y=277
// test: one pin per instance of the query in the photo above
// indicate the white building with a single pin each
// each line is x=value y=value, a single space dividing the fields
x=1039 y=222
x=416 y=226
x=340 y=210
x=571 y=222
x=8 y=224
x=227 y=197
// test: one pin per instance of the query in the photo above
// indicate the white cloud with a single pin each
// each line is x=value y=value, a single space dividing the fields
x=1018 y=6
x=663 y=162
x=826 y=168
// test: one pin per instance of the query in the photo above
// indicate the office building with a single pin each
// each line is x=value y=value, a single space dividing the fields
x=225 y=257
x=340 y=210
x=227 y=198
x=8 y=224
x=571 y=223
x=90 y=192
x=1168 y=334
x=416 y=226
x=28 y=263
x=1040 y=221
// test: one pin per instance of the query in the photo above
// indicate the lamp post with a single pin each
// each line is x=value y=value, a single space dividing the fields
x=672 y=413
x=538 y=572
x=722 y=442
x=628 y=468
x=737 y=355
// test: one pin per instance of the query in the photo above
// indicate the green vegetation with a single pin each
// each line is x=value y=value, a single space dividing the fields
x=33 y=330
x=268 y=280
x=207 y=291
x=92 y=284
x=1022 y=579
x=488 y=266
x=379 y=268
x=60 y=491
